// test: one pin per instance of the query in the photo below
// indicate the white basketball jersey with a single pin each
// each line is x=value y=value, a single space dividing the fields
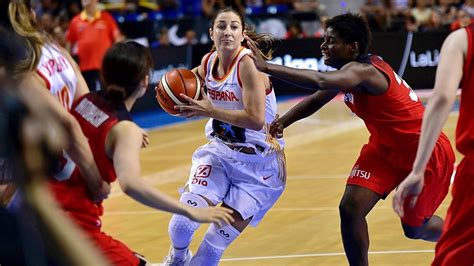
x=226 y=93
x=58 y=73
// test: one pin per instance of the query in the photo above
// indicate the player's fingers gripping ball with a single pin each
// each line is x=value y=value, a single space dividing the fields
x=172 y=84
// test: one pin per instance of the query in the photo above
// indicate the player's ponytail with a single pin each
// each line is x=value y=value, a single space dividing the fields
x=124 y=66
x=23 y=23
x=264 y=42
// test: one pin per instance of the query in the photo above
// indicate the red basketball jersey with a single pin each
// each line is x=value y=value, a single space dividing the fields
x=465 y=126
x=96 y=117
x=393 y=118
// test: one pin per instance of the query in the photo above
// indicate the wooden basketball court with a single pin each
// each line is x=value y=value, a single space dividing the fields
x=303 y=227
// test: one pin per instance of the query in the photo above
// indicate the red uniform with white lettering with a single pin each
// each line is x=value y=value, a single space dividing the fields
x=394 y=122
x=456 y=245
x=96 y=117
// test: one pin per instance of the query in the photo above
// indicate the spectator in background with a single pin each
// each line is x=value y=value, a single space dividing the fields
x=462 y=20
x=210 y=7
x=182 y=33
x=411 y=25
x=308 y=12
x=161 y=39
x=273 y=26
x=295 y=31
x=448 y=10
x=435 y=23
x=373 y=12
x=59 y=31
x=468 y=6
x=421 y=12
x=73 y=7
x=278 y=2
x=46 y=21
x=322 y=30
x=401 y=7
x=90 y=34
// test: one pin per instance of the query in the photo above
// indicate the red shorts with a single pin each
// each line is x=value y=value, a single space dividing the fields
x=74 y=200
x=382 y=170
x=456 y=245
x=114 y=251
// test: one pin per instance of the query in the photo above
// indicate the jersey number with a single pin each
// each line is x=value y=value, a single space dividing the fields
x=63 y=97
x=411 y=93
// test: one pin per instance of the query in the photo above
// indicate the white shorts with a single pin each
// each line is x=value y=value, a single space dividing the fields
x=249 y=183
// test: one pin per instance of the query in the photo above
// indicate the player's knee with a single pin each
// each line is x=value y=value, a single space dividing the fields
x=215 y=242
x=349 y=209
x=181 y=228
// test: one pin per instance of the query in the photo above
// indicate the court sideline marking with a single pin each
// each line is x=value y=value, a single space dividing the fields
x=333 y=254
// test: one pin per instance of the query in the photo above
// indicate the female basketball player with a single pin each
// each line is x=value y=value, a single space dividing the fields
x=116 y=142
x=392 y=113
x=242 y=166
x=57 y=82
x=455 y=67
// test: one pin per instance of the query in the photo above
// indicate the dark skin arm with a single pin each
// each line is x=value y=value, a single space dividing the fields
x=305 y=108
x=353 y=74
x=361 y=76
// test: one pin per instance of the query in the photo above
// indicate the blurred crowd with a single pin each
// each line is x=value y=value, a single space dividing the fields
x=181 y=22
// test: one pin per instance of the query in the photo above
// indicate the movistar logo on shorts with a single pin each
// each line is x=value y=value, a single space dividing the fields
x=356 y=172
x=224 y=234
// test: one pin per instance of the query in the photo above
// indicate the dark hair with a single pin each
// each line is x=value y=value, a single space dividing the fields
x=352 y=28
x=124 y=66
x=16 y=15
x=13 y=50
x=263 y=41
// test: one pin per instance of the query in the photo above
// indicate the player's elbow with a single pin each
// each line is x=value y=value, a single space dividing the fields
x=69 y=123
x=256 y=123
x=442 y=99
x=126 y=186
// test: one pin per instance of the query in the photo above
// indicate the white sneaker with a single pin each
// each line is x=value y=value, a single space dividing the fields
x=170 y=260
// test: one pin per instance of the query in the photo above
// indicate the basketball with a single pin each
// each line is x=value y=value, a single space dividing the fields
x=172 y=84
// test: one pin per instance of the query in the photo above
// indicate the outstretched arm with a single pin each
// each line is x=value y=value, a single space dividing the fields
x=123 y=146
x=448 y=77
x=350 y=75
x=307 y=107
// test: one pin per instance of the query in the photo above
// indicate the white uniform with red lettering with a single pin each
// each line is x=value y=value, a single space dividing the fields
x=250 y=182
x=58 y=74
x=61 y=80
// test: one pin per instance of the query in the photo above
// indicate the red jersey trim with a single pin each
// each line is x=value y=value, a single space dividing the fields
x=43 y=77
x=206 y=63
x=232 y=65
x=467 y=61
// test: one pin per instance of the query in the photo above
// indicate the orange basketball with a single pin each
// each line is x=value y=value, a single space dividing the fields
x=172 y=84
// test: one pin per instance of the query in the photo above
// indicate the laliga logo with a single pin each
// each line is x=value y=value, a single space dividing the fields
x=426 y=59
x=302 y=63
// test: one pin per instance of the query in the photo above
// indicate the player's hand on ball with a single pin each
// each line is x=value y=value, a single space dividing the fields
x=194 y=107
